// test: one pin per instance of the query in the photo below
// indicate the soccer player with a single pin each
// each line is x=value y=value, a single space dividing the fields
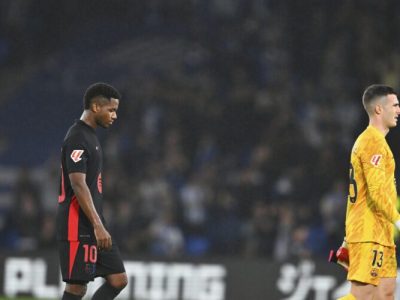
x=371 y=203
x=86 y=248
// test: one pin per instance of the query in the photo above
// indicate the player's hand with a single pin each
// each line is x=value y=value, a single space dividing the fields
x=103 y=238
x=397 y=224
x=340 y=256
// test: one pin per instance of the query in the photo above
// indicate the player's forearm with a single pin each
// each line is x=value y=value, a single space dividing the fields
x=85 y=201
x=384 y=204
x=378 y=194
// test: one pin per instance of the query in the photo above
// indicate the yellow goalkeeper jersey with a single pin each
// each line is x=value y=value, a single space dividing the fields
x=371 y=203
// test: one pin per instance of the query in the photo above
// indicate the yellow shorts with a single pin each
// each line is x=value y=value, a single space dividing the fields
x=369 y=262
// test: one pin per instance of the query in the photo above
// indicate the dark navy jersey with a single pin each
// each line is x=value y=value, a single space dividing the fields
x=81 y=152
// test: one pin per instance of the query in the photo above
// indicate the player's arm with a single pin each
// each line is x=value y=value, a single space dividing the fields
x=376 y=179
x=82 y=193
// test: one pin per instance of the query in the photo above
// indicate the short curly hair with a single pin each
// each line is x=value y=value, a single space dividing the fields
x=99 y=89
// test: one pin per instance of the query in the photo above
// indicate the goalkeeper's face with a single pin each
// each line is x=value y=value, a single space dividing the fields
x=391 y=111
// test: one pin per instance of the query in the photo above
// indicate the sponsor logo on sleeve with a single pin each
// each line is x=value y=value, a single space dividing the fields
x=376 y=159
x=76 y=155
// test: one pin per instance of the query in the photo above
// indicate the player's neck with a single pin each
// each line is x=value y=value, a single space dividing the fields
x=378 y=125
x=88 y=119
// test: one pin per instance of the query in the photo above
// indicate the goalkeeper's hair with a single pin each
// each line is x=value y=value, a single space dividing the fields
x=375 y=91
x=99 y=89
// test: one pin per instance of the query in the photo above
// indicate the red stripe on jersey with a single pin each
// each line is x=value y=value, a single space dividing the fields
x=73 y=250
x=61 y=197
x=73 y=220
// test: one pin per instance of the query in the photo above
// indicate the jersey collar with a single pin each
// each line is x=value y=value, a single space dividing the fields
x=376 y=131
x=80 y=122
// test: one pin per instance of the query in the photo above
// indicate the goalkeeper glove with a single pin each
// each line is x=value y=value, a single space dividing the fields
x=340 y=256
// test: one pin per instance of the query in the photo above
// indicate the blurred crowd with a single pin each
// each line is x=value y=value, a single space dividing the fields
x=242 y=147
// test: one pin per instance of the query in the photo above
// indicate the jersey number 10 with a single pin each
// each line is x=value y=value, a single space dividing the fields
x=90 y=253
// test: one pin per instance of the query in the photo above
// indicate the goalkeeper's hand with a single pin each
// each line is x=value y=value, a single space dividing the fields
x=340 y=256
x=397 y=224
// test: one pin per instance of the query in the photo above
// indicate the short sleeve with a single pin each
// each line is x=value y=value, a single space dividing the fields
x=76 y=157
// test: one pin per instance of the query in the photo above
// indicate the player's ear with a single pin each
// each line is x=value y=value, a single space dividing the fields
x=95 y=106
x=378 y=109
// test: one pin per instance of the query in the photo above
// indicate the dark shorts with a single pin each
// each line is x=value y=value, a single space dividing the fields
x=81 y=261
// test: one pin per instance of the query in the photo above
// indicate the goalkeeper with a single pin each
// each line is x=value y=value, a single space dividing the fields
x=371 y=203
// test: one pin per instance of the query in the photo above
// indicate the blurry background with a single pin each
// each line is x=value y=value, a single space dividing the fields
x=234 y=130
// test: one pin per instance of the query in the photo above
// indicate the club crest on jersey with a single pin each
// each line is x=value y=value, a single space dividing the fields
x=90 y=269
x=375 y=160
x=374 y=272
x=76 y=155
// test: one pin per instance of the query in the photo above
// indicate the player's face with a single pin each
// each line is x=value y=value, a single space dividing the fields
x=107 y=113
x=391 y=110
